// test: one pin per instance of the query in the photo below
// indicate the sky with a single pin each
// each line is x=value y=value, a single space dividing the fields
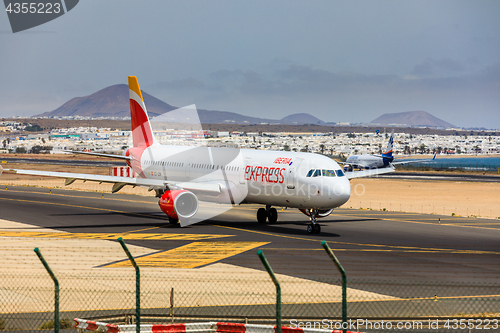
x=341 y=61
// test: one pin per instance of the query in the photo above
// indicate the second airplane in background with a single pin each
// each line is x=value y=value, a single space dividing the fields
x=377 y=161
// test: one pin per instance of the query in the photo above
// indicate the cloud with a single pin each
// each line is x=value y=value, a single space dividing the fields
x=430 y=66
x=181 y=84
x=465 y=98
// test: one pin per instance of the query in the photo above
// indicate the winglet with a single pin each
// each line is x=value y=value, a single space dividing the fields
x=434 y=156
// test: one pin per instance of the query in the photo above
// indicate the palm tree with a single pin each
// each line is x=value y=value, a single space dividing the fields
x=321 y=148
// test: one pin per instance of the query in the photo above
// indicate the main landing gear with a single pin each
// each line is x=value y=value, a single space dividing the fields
x=313 y=227
x=268 y=213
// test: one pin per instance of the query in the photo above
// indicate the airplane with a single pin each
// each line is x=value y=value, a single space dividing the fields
x=377 y=161
x=184 y=176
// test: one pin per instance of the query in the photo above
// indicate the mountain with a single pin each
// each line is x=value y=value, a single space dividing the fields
x=113 y=101
x=411 y=118
x=301 y=118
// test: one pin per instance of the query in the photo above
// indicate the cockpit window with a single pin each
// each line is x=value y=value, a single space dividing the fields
x=329 y=173
x=324 y=173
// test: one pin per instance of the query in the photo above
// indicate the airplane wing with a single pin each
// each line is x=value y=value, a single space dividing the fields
x=121 y=157
x=415 y=161
x=369 y=172
x=120 y=182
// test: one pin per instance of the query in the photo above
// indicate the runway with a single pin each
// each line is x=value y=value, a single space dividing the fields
x=375 y=245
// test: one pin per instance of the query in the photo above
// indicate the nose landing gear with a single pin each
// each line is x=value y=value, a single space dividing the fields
x=313 y=227
x=268 y=213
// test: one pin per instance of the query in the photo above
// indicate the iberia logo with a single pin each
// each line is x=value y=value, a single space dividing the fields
x=282 y=160
x=28 y=14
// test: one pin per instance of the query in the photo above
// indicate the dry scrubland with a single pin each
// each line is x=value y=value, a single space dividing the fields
x=428 y=197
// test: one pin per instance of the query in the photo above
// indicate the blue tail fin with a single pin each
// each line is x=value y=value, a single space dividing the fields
x=388 y=152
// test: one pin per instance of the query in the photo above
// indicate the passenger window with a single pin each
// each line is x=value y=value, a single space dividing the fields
x=309 y=174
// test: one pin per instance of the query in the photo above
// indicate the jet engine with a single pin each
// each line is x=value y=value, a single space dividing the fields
x=320 y=213
x=179 y=204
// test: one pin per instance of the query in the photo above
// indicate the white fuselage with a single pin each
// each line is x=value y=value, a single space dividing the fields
x=273 y=178
x=365 y=161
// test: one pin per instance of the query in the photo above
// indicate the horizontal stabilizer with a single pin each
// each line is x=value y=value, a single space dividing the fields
x=415 y=161
x=121 y=157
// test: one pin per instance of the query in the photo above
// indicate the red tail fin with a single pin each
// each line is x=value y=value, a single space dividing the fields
x=142 y=133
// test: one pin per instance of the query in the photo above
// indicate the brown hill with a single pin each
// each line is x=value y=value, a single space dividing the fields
x=113 y=101
x=109 y=102
x=301 y=118
x=411 y=118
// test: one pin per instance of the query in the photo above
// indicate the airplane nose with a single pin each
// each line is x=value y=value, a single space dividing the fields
x=345 y=192
x=340 y=192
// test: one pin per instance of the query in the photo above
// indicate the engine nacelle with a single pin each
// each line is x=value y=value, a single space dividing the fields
x=321 y=212
x=179 y=204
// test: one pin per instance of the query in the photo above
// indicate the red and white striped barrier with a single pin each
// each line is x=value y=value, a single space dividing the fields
x=122 y=171
x=254 y=328
x=90 y=325
x=210 y=327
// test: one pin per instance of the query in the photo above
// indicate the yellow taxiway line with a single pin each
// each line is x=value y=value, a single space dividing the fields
x=380 y=246
x=192 y=255
x=109 y=236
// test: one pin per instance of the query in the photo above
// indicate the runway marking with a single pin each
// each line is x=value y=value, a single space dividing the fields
x=109 y=236
x=452 y=224
x=276 y=235
x=192 y=255
x=83 y=197
x=86 y=207
x=434 y=250
x=386 y=250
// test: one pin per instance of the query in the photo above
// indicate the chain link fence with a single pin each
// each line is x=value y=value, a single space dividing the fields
x=218 y=292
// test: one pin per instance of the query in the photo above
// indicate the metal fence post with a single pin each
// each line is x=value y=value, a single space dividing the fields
x=137 y=287
x=344 y=282
x=278 y=289
x=56 y=289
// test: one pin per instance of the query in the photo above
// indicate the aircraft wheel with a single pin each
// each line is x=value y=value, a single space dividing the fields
x=272 y=215
x=172 y=220
x=261 y=215
x=310 y=229
x=317 y=228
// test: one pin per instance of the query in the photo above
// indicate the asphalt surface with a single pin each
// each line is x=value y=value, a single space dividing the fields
x=371 y=245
